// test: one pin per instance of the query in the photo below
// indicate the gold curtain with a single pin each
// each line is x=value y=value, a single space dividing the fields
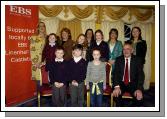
x=81 y=13
x=50 y=12
x=73 y=25
x=115 y=14
x=141 y=16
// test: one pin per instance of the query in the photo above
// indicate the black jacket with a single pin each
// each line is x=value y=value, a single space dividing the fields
x=136 y=72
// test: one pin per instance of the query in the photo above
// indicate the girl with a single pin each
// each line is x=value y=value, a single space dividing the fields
x=82 y=41
x=139 y=45
x=37 y=42
x=48 y=53
x=89 y=38
x=96 y=79
x=102 y=45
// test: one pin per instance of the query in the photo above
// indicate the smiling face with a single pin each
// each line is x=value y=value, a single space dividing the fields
x=127 y=50
x=59 y=54
x=113 y=35
x=64 y=36
x=52 y=39
x=81 y=39
x=77 y=53
x=99 y=36
x=135 y=33
x=41 y=27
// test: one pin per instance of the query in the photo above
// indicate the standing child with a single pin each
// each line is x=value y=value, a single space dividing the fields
x=48 y=53
x=58 y=78
x=96 y=79
x=82 y=41
x=77 y=69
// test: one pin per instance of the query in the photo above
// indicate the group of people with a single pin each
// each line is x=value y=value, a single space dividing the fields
x=73 y=62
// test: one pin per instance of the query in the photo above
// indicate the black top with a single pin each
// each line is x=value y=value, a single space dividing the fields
x=77 y=71
x=103 y=48
x=57 y=72
x=136 y=72
x=141 y=49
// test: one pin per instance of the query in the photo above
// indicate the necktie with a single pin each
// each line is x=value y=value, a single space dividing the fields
x=126 y=75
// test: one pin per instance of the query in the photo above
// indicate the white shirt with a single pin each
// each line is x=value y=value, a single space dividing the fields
x=98 y=43
x=52 y=44
x=129 y=58
x=59 y=60
x=112 y=47
x=77 y=59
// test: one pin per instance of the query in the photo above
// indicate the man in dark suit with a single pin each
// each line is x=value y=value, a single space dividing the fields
x=128 y=76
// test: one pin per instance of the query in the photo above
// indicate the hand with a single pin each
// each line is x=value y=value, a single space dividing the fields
x=116 y=92
x=104 y=87
x=74 y=83
x=111 y=61
x=61 y=85
x=138 y=94
x=57 y=84
x=87 y=87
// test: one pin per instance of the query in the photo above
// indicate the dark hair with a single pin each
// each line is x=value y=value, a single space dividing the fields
x=99 y=31
x=77 y=46
x=131 y=36
x=113 y=30
x=96 y=48
x=59 y=48
x=92 y=39
x=67 y=31
x=47 y=38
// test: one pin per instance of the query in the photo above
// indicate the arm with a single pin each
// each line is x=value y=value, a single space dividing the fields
x=104 y=75
x=116 y=73
x=88 y=74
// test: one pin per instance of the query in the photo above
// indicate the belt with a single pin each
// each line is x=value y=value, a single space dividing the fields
x=95 y=85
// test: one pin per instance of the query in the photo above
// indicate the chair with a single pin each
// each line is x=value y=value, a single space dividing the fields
x=108 y=89
x=43 y=86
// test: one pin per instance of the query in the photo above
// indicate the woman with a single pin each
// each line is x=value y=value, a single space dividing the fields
x=115 y=47
x=90 y=38
x=37 y=43
x=67 y=43
x=139 y=45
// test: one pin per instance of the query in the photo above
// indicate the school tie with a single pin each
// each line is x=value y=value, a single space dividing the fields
x=126 y=75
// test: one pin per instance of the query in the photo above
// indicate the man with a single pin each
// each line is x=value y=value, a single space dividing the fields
x=128 y=76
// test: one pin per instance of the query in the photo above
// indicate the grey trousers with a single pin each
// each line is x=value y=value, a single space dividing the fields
x=77 y=95
x=59 y=96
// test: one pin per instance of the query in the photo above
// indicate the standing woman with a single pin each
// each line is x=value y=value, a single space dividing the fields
x=67 y=43
x=139 y=45
x=37 y=43
x=90 y=38
x=115 y=46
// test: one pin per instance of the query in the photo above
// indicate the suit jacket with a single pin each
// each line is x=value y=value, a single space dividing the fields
x=136 y=72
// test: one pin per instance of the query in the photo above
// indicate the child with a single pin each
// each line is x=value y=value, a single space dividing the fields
x=58 y=78
x=83 y=41
x=96 y=79
x=48 y=53
x=77 y=68
x=102 y=45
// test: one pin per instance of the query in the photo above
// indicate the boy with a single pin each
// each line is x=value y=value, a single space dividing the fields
x=58 y=78
x=77 y=69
